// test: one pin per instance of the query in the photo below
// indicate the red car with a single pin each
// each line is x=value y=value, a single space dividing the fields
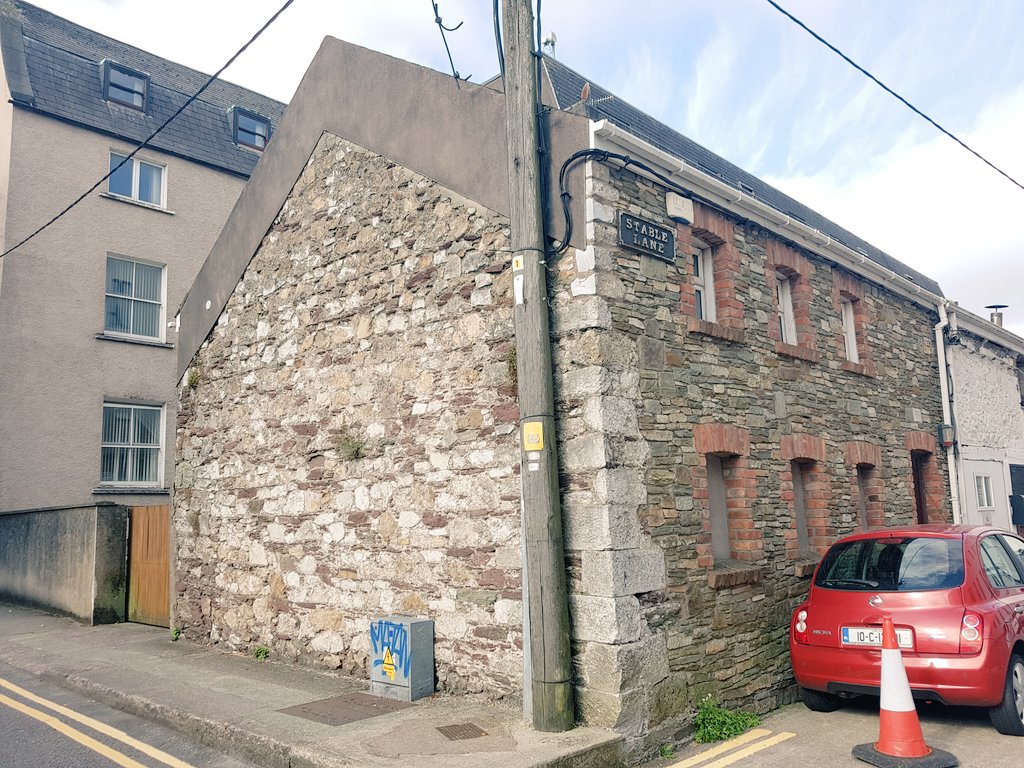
x=956 y=596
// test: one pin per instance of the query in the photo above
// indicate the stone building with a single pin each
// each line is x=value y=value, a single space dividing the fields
x=87 y=361
x=347 y=444
x=986 y=375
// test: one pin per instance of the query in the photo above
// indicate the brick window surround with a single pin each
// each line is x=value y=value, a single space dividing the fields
x=785 y=260
x=866 y=487
x=846 y=286
x=728 y=446
x=714 y=229
x=805 y=473
x=929 y=499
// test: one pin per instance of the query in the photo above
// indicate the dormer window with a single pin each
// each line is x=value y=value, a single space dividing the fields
x=124 y=86
x=250 y=129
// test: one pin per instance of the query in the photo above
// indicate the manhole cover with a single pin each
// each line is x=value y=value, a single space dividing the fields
x=345 y=709
x=461 y=731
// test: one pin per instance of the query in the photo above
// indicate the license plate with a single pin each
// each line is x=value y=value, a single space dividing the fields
x=872 y=636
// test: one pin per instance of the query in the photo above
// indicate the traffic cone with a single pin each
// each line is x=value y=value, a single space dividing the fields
x=900 y=741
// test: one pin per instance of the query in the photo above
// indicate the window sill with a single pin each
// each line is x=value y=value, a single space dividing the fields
x=716 y=330
x=732 y=573
x=132 y=340
x=133 y=201
x=801 y=353
x=124 y=490
x=861 y=369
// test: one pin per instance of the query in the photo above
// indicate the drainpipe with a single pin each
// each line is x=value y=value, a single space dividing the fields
x=947 y=415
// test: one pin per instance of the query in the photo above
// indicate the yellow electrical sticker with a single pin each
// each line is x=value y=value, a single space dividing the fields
x=533 y=436
x=389 y=664
x=517 y=263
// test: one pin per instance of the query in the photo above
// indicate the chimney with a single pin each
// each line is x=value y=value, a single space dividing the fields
x=997 y=315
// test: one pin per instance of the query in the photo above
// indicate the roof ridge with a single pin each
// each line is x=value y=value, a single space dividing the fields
x=56 y=21
x=694 y=154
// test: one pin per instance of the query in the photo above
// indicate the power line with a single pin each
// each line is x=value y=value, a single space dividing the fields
x=154 y=134
x=887 y=89
x=443 y=29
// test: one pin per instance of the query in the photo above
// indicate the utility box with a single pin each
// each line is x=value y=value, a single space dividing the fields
x=401 y=657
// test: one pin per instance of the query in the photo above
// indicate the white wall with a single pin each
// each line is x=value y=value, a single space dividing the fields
x=990 y=422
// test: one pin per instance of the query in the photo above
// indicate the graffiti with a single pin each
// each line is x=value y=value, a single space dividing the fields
x=390 y=642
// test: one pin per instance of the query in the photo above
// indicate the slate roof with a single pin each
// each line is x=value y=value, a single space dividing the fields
x=63 y=63
x=567 y=85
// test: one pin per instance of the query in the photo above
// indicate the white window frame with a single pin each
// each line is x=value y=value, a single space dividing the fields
x=704 y=285
x=162 y=323
x=784 y=302
x=131 y=444
x=983 y=491
x=847 y=312
x=136 y=165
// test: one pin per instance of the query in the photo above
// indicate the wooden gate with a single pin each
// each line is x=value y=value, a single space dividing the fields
x=149 y=565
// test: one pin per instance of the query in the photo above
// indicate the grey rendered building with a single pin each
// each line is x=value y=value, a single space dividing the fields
x=87 y=371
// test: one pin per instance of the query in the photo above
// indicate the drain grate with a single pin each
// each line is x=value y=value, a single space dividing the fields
x=462 y=731
x=349 y=708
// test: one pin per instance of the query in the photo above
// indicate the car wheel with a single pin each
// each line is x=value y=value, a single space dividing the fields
x=816 y=701
x=1008 y=717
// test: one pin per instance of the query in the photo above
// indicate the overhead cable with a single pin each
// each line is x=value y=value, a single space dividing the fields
x=443 y=28
x=155 y=133
x=887 y=89
x=496 y=12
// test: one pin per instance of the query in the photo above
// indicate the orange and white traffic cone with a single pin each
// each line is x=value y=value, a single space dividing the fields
x=900 y=740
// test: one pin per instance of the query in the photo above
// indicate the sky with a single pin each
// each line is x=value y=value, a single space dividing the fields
x=733 y=75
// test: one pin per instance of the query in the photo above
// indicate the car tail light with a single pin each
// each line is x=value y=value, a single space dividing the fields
x=800 y=627
x=971 y=633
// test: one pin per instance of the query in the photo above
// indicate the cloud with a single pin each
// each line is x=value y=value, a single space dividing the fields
x=939 y=209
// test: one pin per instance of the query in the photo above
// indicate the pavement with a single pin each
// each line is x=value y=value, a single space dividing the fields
x=234 y=703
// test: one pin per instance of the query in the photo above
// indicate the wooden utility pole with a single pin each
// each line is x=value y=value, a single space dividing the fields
x=545 y=559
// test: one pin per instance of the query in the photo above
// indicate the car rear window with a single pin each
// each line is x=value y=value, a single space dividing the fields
x=907 y=564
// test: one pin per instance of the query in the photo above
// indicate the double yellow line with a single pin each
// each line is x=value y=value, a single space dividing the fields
x=729 y=752
x=82 y=738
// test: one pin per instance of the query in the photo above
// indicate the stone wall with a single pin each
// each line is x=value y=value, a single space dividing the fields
x=988 y=396
x=348 y=449
x=658 y=620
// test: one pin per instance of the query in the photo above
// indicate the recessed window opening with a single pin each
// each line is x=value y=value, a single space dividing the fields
x=801 y=471
x=919 y=466
x=784 y=308
x=704 y=284
x=863 y=491
x=718 y=508
x=849 y=329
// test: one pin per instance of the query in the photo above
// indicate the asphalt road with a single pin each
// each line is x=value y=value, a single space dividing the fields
x=44 y=726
